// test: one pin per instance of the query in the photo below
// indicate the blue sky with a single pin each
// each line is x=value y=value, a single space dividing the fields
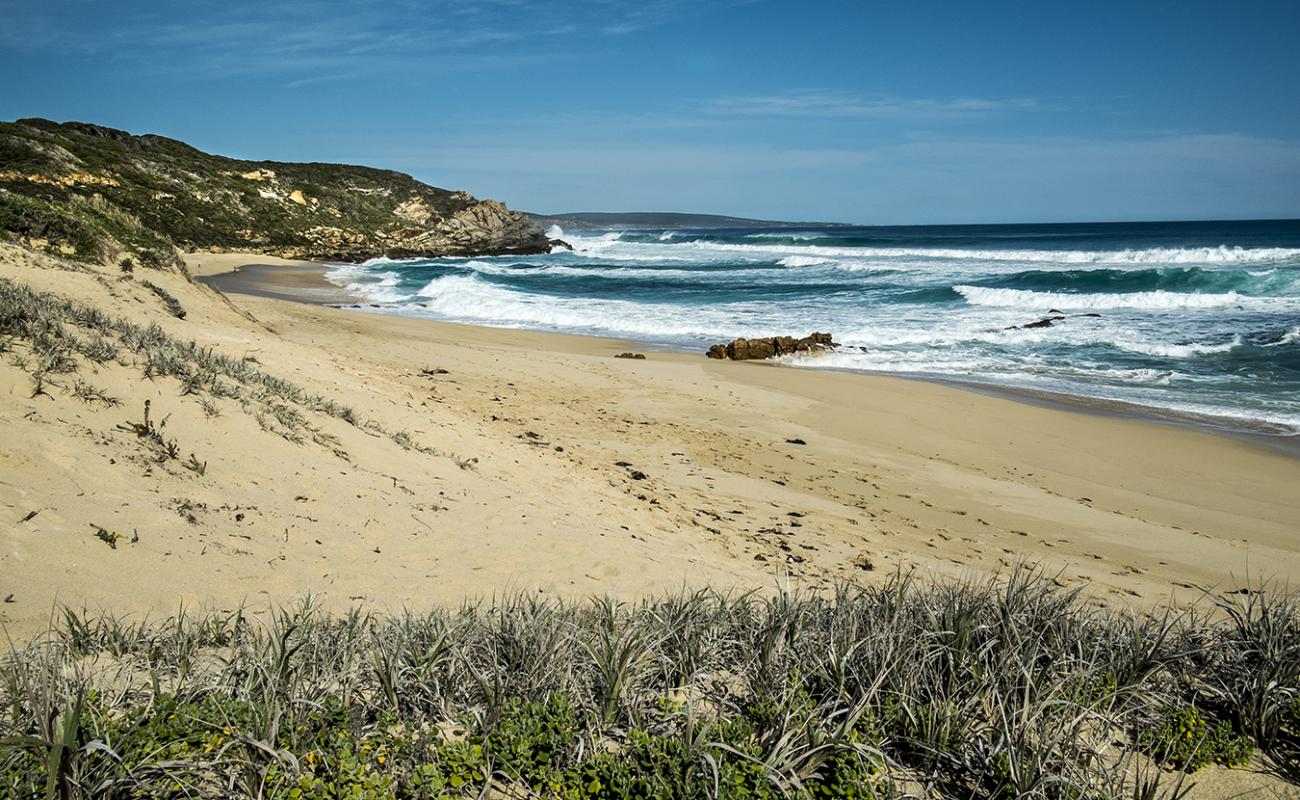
x=850 y=111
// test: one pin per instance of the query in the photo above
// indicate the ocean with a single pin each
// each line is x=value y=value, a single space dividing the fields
x=1194 y=318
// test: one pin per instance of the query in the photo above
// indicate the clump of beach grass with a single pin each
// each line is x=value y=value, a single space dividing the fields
x=173 y=305
x=1004 y=687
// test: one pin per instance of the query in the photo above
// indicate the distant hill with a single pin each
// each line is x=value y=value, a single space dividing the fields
x=94 y=192
x=588 y=220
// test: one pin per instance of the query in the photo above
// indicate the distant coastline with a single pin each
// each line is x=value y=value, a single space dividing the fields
x=604 y=220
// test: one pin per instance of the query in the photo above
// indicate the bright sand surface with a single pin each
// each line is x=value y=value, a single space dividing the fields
x=555 y=467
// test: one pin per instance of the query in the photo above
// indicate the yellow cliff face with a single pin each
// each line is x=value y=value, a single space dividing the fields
x=69 y=179
x=478 y=460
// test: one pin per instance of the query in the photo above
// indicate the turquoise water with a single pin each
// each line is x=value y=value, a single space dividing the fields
x=1199 y=318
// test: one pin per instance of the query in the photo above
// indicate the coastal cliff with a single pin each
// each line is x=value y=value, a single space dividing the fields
x=96 y=193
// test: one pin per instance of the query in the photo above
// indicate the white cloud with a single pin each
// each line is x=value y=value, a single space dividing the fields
x=1205 y=176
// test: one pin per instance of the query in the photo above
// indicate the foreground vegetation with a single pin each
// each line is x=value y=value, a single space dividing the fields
x=1006 y=688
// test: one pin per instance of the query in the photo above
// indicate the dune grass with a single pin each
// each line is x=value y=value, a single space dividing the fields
x=50 y=336
x=1003 y=688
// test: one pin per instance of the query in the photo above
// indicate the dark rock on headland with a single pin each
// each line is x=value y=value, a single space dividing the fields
x=757 y=349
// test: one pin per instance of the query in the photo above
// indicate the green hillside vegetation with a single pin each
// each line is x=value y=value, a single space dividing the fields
x=86 y=191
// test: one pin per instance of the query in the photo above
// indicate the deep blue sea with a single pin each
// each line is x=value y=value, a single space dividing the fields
x=1193 y=317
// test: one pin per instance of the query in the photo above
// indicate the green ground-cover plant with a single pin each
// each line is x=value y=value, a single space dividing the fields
x=1184 y=738
x=1005 y=688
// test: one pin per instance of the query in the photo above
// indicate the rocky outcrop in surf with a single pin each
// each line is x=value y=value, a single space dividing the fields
x=1050 y=320
x=87 y=191
x=758 y=349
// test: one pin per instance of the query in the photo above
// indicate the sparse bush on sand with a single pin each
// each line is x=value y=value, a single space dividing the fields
x=173 y=305
x=1001 y=688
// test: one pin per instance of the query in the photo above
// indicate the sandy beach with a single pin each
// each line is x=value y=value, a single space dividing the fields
x=669 y=401
x=549 y=465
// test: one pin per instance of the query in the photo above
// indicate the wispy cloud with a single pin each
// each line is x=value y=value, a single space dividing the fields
x=837 y=105
x=929 y=179
x=288 y=38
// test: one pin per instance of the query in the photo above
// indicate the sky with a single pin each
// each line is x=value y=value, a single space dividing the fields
x=857 y=111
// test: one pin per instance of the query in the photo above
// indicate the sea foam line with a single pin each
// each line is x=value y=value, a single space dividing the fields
x=1023 y=298
x=610 y=245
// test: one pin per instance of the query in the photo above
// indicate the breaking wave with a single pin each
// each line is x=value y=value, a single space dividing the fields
x=1166 y=315
x=1022 y=298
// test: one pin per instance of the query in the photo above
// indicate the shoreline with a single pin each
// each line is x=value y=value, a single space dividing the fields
x=1285 y=443
x=413 y=463
x=305 y=282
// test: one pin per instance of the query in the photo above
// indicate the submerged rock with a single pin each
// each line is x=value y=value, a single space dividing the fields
x=758 y=349
x=1049 y=321
x=1045 y=322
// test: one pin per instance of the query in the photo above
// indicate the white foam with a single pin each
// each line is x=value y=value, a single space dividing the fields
x=1290 y=337
x=1156 y=255
x=555 y=232
x=465 y=298
x=798 y=237
x=613 y=272
x=1023 y=298
x=610 y=246
x=379 y=261
x=805 y=261
x=961 y=334
x=1168 y=350
x=373 y=287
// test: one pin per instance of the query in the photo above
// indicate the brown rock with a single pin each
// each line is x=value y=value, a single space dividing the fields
x=761 y=348
x=863 y=562
x=751 y=349
x=417 y=210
